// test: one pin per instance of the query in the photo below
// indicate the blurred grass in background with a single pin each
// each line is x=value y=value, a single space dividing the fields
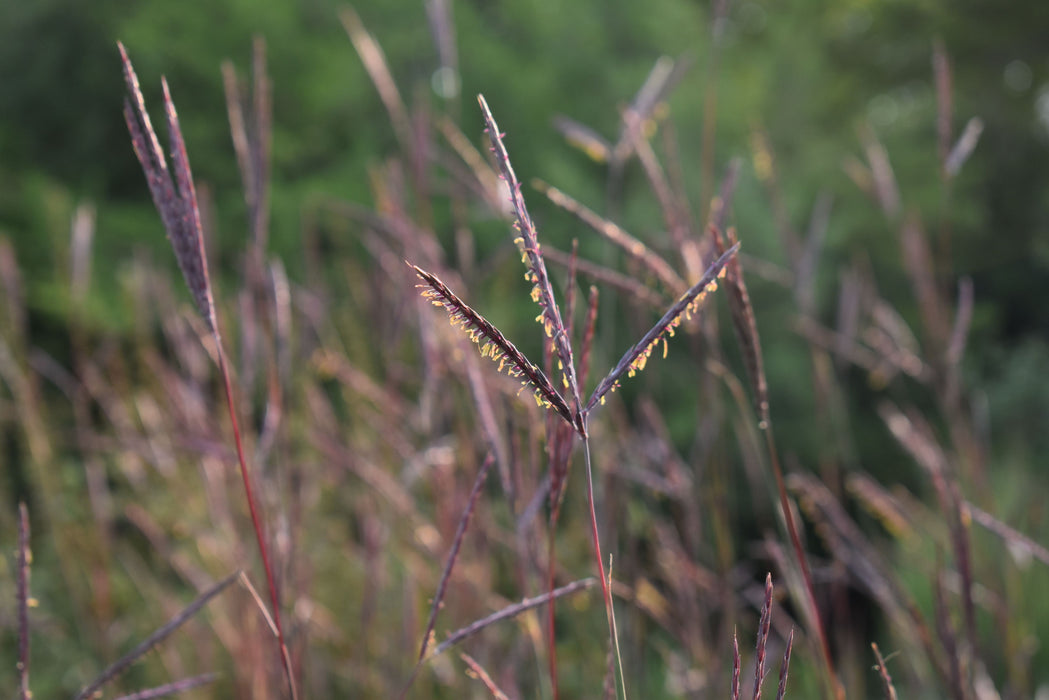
x=108 y=416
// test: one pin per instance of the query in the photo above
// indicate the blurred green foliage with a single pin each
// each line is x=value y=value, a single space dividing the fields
x=811 y=73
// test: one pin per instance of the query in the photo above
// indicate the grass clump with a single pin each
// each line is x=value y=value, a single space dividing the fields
x=400 y=501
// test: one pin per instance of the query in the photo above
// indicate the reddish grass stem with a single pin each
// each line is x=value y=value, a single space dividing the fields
x=837 y=689
x=256 y=521
x=176 y=202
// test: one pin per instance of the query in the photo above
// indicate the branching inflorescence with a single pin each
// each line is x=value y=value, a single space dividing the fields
x=494 y=345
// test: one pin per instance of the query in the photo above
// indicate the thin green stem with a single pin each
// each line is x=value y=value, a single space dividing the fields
x=552 y=641
x=605 y=591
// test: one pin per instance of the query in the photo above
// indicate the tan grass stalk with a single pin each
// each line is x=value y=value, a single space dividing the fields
x=919 y=265
x=173 y=688
x=674 y=209
x=584 y=138
x=487 y=185
x=886 y=189
x=478 y=671
x=509 y=612
x=883 y=674
x=1013 y=537
x=720 y=204
x=251 y=135
x=614 y=233
x=964 y=147
x=963 y=316
x=588 y=336
x=948 y=637
x=374 y=61
x=628 y=285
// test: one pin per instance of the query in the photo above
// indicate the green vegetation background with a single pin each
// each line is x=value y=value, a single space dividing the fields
x=811 y=73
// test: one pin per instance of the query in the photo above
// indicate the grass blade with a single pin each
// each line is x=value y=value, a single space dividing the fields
x=615 y=234
x=633 y=289
x=509 y=612
x=746 y=328
x=1012 y=537
x=457 y=542
x=156 y=638
x=941 y=68
x=964 y=147
x=25 y=558
x=172 y=688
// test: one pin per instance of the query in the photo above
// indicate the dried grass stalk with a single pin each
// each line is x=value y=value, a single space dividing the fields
x=173 y=688
x=378 y=68
x=964 y=147
x=614 y=233
x=511 y=611
x=584 y=138
x=478 y=671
